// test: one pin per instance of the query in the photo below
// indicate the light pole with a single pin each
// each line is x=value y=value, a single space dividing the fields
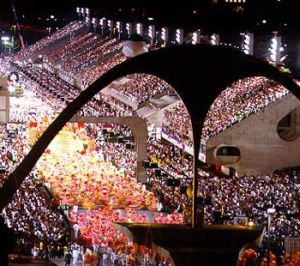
x=270 y=212
x=78 y=11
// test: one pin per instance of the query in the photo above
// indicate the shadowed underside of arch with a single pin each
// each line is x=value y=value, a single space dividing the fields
x=198 y=74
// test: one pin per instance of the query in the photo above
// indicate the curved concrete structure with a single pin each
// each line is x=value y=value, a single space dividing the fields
x=206 y=246
x=198 y=87
x=198 y=73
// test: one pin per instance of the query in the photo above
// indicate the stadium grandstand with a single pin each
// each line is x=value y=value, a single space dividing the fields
x=87 y=179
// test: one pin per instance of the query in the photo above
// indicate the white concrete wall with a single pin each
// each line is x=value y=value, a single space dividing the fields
x=262 y=150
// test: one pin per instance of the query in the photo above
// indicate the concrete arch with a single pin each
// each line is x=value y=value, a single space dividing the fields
x=216 y=68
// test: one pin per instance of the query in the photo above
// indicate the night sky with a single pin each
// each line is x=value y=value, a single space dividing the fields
x=280 y=15
x=169 y=12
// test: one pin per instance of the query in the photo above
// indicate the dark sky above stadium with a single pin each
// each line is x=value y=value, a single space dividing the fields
x=170 y=12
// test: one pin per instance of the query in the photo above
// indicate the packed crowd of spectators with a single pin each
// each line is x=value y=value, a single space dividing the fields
x=45 y=42
x=234 y=196
x=170 y=158
x=252 y=196
x=31 y=212
x=177 y=124
x=243 y=98
x=58 y=93
x=50 y=82
x=92 y=74
x=70 y=49
x=85 y=59
x=223 y=199
x=90 y=56
x=140 y=87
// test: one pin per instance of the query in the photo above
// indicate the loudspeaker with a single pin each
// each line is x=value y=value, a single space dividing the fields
x=157 y=172
x=128 y=146
x=120 y=140
x=217 y=216
x=153 y=165
x=183 y=190
x=169 y=182
x=177 y=182
x=112 y=139
x=2 y=171
x=146 y=164
x=208 y=201
x=173 y=182
x=164 y=174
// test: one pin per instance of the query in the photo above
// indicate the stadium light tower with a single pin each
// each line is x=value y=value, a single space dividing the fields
x=275 y=50
x=78 y=11
x=119 y=28
x=151 y=33
x=88 y=12
x=179 y=36
x=196 y=37
x=82 y=12
x=110 y=25
x=87 y=20
x=94 y=23
x=248 y=43
x=128 y=29
x=139 y=29
x=215 y=39
x=102 y=24
x=165 y=35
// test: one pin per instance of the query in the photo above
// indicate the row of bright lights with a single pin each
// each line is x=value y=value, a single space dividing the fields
x=276 y=49
x=165 y=34
x=139 y=28
x=83 y=11
x=151 y=31
x=196 y=37
x=247 y=45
